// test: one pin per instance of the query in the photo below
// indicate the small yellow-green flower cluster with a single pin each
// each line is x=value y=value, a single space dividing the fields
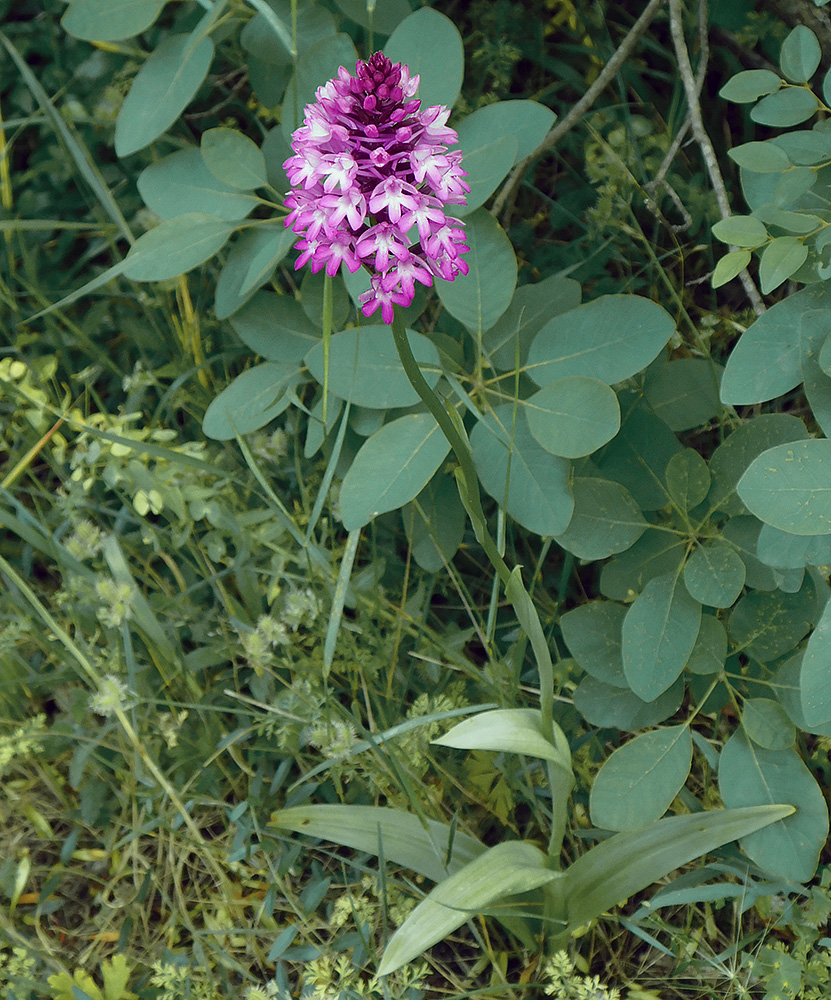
x=23 y=741
x=564 y=984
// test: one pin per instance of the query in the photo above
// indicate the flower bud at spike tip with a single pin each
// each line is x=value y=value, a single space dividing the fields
x=370 y=178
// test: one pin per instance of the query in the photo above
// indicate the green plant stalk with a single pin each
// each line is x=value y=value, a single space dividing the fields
x=327 y=338
x=560 y=781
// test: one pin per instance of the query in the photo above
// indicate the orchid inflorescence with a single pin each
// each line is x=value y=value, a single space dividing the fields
x=371 y=170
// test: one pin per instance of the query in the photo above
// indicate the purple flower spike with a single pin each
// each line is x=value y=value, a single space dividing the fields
x=370 y=178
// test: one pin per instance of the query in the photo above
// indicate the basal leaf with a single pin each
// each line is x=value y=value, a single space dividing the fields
x=515 y=730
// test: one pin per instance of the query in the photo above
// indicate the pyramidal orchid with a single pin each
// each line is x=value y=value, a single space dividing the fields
x=370 y=178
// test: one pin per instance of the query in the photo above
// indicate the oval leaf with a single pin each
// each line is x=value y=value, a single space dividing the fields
x=741 y=231
x=393 y=466
x=715 y=575
x=637 y=784
x=592 y=633
x=176 y=247
x=181 y=183
x=800 y=55
x=790 y=487
x=250 y=401
x=781 y=258
x=790 y=106
x=573 y=416
x=109 y=20
x=767 y=724
x=750 y=85
x=161 y=91
x=606 y=519
x=430 y=44
x=233 y=159
x=610 y=339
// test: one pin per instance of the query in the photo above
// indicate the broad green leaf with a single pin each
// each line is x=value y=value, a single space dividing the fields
x=176 y=247
x=180 y=184
x=505 y=870
x=248 y=245
x=766 y=361
x=392 y=467
x=684 y=393
x=611 y=339
x=636 y=785
x=268 y=35
x=805 y=147
x=789 y=486
x=315 y=67
x=430 y=44
x=573 y=416
x=515 y=730
x=609 y=707
x=742 y=533
x=477 y=299
x=815 y=676
x=161 y=91
x=109 y=20
x=637 y=457
x=731 y=459
x=715 y=575
x=760 y=158
x=767 y=625
x=741 y=231
x=538 y=493
x=790 y=106
x=606 y=519
x=435 y=541
x=815 y=327
x=787 y=686
x=710 y=649
x=265 y=256
x=729 y=266
x=780 y=259
x=275 y=327
x=688 y=479
x=250 y=401
x=792 y=222
x=527 y=121
x=386 y=16
x=659 y=633
x=626 y=863
x=531 y=308
x=653 y=554
x=233 y=159
x=800 y=55
x=399 y=836
x=364 y=367
x=782 y=550
x=750 y=85
x=592 y=633
x=767 y=724
x=749 y=775
x=486 y=166
x=311 y=298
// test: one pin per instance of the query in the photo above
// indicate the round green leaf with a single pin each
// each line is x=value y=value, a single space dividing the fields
x=161 y=91
x=741 y=231
x=392 y=467
x=790 y=487
x=477 y=299
x=606 y=520
x=608 y=707
x=592 y=633
x=250 y=401
x=233 y=159
x=684 y=393
x=729 y=266
x=749 y=775
x=787 y=688
x=767 y=724
x=430 y=44
x=275 y=327
x=710 y=650
x=180 y=184
x=780 y=259
x=760 y=158
x=435 y=540
x=611 y=339
x=176 y=247
x=688 y=479
x=364 y=367
x=573 y=416
x=750 y=85
x=790 y=106
x=109 y=20
x=715 y=575
x=531 y=308
x=659 y=633
x=653 y=554
x=800 y=55
x=538 y=493
x=767 y=625
x=637 y=784
x=814 y=682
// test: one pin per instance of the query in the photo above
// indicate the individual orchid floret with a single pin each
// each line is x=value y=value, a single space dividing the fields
x=370 y=178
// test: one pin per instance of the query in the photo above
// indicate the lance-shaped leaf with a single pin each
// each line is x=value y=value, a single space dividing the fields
x=504 y=870
x=628 y=862
x=517 y=730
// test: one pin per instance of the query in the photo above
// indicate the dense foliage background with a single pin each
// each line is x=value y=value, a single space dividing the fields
x=239 y=580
